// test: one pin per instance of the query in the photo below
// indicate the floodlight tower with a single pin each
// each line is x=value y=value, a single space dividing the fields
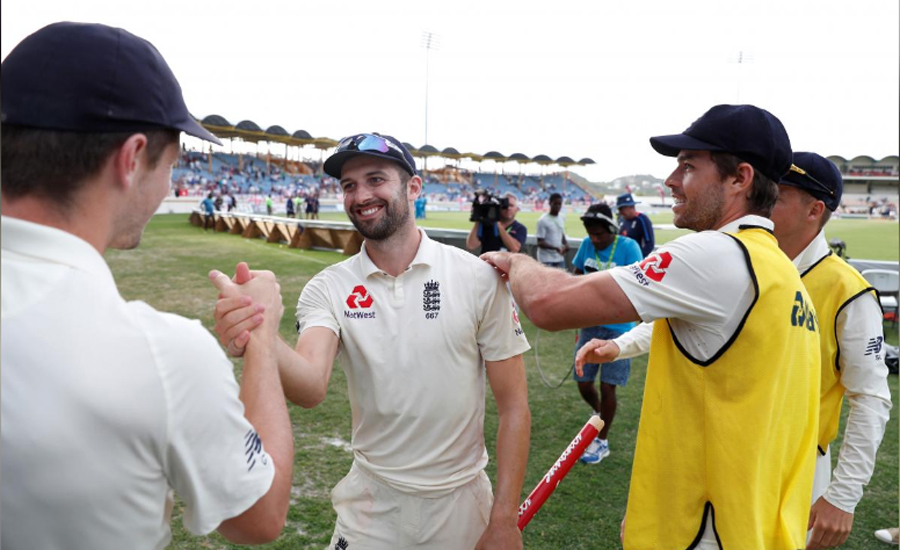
x=742 y=58
x=430 y=41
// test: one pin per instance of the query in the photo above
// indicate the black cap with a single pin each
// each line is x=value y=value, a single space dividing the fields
x=357 y=144
x=92 y=78
x=818 y=176
x=752 y=134
x=601 y=214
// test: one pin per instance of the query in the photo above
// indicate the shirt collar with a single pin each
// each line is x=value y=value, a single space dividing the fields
x=425 y=255
x=750 y=219
x=51 y=245
x=814 y=251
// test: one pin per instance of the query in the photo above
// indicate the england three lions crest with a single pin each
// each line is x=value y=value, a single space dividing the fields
x=431 y=299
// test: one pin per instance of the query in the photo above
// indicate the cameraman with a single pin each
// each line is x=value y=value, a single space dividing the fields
x=506 y=234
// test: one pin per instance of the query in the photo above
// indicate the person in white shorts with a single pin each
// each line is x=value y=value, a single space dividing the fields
x=416 y=325
x=108 y=405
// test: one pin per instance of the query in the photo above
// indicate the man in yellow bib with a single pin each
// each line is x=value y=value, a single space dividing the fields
x=729 y=421
x=851 y=343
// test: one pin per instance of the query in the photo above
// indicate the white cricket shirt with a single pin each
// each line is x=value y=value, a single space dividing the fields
x=413 y=348
x=699 y=282
x=106 y=404
x=864 y=377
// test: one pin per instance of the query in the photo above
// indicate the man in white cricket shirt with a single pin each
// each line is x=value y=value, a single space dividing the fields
x=108 y=405
x=416 y=325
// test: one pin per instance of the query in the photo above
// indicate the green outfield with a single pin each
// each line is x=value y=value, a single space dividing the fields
x=868 y=239
x=169 y=271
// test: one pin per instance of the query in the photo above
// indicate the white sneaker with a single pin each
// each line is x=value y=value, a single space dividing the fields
x=596 y=451
x=889 y=536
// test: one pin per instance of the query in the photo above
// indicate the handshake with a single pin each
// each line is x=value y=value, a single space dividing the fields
x=250 y=305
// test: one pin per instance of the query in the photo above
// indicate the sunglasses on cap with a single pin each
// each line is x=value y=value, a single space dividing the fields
x=375 y=144
x=797 y=170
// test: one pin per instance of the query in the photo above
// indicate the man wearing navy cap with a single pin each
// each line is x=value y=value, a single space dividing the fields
x=417 y=326
x=635 y=225
x=108 y=405
x=851 y=345
x=724 y=456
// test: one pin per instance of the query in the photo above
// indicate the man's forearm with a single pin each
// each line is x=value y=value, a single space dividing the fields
x=529 y=279
x=265 y=408
x=472 y=240
x=305 y=380
x=513 y=436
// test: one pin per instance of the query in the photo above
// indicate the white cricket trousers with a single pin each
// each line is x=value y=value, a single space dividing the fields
x=374 y=516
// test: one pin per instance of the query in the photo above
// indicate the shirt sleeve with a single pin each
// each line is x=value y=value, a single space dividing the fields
x=700 y=282
x=214 y=458
x=315 y=308
x=680 y=281
x=541 y=228
x=500 y=335
x=864 y=376
x=581 y=255
x=520 y=232
x=635 y=342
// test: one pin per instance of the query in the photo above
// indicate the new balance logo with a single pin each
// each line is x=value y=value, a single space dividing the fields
x=802 y=315
x=359 y=298
x=874 y=345
x=253 y=449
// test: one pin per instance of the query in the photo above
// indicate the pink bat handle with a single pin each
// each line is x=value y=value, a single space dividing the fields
x=558 y=471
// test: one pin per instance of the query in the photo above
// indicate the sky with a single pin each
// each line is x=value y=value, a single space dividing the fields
x=582 y=79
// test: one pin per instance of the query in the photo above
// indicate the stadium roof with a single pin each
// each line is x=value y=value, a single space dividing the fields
x=247 y=130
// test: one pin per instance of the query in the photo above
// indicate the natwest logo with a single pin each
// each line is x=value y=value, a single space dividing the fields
x=359 y=298
x=655 y=266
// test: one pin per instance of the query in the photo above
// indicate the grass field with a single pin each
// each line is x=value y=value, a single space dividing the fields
x=866 y=239
x=169 y=272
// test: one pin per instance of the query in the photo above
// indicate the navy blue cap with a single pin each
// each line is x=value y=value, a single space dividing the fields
x=625 y=199
x=752 y=134
x=85 y=77
x=818 y=176
x=372 y=145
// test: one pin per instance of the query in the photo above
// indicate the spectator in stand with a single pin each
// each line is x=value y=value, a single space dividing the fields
x=108 y=405
x=219 y=202
x=551 y=235
x=504 y=235
x=289 y=206
x=232 y=202
x=635 y=225
x=209 y=212
x=312 y=207
x=602 y=250
x=270 y=204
